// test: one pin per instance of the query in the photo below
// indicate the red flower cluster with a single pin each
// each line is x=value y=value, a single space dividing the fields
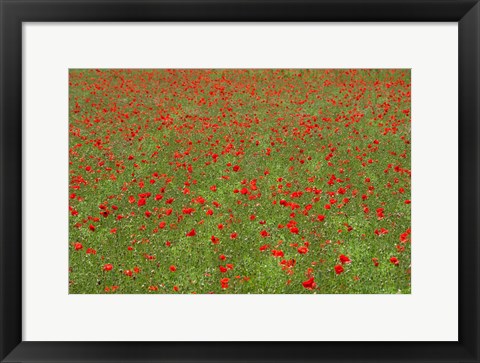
x=239 y=181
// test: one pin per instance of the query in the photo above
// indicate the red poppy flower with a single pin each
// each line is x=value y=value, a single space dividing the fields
x=199 y=200
x=91 y=251
x=294 y=230
x=277 y=253
x=309 y=284
x=302 y=250
x=224 y=282
x=149 y=257
x=208 y=145
x=107 y=267
x=380 y=213
x=405 y=237
x=264 y=233
x=173 y=268
x=394 y=260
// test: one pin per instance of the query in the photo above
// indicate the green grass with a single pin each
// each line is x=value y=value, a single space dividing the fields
x=318 y=134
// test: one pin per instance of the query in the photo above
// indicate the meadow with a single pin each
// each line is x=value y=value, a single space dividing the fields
x=239 y=181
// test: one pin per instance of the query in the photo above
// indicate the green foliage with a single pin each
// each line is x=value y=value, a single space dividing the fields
x=307 y=138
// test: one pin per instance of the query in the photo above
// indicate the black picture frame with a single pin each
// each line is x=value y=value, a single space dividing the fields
x=15 y=12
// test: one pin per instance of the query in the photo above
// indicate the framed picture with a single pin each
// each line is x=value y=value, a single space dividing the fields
x=239 y=181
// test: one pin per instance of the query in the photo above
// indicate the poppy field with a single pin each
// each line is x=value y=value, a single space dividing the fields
x=239 y=181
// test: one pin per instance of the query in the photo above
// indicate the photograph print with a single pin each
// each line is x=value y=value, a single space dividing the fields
x=239 y=181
